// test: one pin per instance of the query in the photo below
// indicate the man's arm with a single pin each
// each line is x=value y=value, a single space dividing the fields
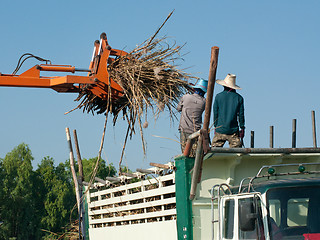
x=241 y=114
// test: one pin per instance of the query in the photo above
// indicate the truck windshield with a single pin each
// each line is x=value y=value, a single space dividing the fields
x=294 y=212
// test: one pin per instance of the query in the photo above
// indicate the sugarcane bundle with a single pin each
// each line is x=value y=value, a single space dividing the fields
x=150 y=79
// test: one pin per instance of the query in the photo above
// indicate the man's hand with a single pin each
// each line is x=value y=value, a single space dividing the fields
x=241 y=133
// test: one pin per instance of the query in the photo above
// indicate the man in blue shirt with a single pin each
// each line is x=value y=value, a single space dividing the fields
x=228 y=114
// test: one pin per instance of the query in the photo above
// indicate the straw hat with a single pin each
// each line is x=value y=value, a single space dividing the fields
x=229 y=81
x=202 y=84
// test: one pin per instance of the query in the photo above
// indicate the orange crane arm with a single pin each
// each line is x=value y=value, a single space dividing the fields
x=98 y=79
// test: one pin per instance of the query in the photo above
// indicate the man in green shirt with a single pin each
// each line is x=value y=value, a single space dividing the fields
x=228 y=114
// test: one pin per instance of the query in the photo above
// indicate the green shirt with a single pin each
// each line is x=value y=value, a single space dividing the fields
x=228 y=110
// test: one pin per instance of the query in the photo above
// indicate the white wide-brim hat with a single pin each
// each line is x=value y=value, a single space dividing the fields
x=229 y=81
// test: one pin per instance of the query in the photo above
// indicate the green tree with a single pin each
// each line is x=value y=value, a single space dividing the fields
x=19 y=210
x=35 y=203
x=59 y=196
x=104 y=170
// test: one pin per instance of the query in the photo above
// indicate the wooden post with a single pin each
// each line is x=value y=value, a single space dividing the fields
x=187 y=149
x=81 y=179
x=211 y=83
x=314 y=129
x=199 y=153
x=159 y=165
x=252 y=139
x=196 y=168
x=78 y=154
x=271 y=136
x=73 y=171
x=294 y=133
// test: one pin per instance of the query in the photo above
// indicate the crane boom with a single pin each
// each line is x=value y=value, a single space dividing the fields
x=97 y=80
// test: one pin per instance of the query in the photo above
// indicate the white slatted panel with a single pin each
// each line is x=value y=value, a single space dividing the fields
x=140 y=203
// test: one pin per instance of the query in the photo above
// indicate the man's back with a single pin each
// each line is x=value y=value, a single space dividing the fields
x=191 y=107
x=228 y=108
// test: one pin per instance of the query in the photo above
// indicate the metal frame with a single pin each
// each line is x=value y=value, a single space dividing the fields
x=213 y=198
x=258 y=175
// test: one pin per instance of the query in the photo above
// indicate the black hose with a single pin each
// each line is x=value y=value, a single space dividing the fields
x=27 y=56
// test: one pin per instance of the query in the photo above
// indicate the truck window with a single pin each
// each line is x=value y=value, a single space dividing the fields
x=293 y=212
x=297 y=212
x=275 y=210
x=228 y=219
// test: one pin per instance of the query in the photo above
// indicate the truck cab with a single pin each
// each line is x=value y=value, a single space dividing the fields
x=282 y=208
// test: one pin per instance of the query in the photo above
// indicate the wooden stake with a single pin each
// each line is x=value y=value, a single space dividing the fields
x=158 y=165
x=197 y=169
x=73 y=171
x=252 y=139
x=271 y=136
x=314 y=129
x=78 y=154
x=211 y=83
x=294 y=133
x=81 y=179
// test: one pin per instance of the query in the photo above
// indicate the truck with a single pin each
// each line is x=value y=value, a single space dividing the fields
x=243 y=193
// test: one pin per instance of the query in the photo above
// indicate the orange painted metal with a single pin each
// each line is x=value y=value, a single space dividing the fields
x=97 y=81
x=95 y=53
x=57 y=68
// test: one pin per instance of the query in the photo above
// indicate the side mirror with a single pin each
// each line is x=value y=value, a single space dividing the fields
x=247 y=215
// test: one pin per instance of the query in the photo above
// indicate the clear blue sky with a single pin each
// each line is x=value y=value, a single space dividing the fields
x=272 y=46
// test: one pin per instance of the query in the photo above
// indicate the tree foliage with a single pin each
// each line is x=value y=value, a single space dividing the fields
x=58 y=195
x=20 y=199
x=104 y=170
x=36 y=204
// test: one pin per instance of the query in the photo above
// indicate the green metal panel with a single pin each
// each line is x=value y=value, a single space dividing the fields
x=86 y=215
x=183 y=203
